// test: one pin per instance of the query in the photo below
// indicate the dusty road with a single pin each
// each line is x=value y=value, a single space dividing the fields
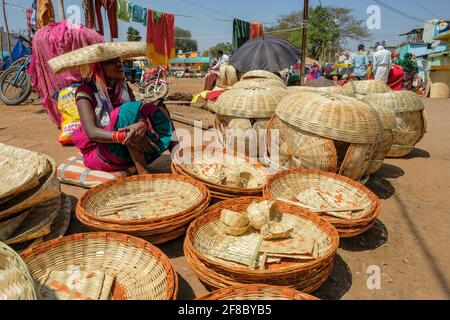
x=409 y=243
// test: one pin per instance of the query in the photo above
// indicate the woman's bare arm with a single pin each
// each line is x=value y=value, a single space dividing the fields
x=87 y=118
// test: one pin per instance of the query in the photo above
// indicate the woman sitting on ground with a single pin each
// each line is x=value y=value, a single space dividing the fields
x=117 y=133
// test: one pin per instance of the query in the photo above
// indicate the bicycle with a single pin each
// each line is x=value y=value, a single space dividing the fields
x=15 y=83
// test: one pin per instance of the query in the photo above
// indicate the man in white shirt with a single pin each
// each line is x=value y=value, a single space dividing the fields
x=222 y=59
x=382 y=63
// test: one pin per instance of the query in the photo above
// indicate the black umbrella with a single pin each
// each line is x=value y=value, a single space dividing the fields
x=265 y=53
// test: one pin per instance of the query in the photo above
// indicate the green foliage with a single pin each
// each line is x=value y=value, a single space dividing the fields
x=226 y=47
x=184 y=41
x=133 y=34
x=328 y=28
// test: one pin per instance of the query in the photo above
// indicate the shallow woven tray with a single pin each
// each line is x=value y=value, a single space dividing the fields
x=256 y=292
x=156 y=230
x=287 y=184
x=21 y=170
x=142 y=271
x=8 y=227
x=17 y=283
x=37 y=223
x=206 y=232
x=219 y=190
x=48 y=189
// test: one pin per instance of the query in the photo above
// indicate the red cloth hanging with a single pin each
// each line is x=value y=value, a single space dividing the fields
x=160 y=37
x=111 y=10
x=256 y=30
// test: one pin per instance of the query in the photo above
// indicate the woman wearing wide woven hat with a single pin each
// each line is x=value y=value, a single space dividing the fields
x=116 y=132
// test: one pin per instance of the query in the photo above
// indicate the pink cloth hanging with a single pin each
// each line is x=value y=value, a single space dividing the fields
x=49 y=42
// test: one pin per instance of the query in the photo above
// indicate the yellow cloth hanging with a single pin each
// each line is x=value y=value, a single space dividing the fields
x=45 y=13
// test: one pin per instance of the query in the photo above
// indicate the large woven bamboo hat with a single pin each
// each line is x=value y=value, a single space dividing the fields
x=398 y=101
x=249 y=102
x=332 y=116
x=97 y=53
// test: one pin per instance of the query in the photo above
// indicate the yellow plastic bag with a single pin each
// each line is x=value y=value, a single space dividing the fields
x=70 y=119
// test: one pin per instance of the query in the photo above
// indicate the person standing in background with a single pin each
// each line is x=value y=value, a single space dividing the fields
x=382 y=63
x=360 y=63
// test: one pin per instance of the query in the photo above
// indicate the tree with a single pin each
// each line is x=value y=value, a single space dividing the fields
x=226 y=47
x=329 y=28
x=184 y=41
x=133 y=34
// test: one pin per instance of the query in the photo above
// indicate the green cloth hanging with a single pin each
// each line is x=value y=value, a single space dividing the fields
x=123 y=10
x=241 y=33
x=157 y=16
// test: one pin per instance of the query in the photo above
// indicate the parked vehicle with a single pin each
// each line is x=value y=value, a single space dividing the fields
x=153 y=83
x=15 y=83
x=134 y=68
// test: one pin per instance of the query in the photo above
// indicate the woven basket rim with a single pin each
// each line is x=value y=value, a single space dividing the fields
x=81 y=205
x=172 y=278
x=234 y=291
x=389 y=99
x=213 y=214
x=376 y=202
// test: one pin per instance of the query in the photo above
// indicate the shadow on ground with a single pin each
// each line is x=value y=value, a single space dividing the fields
x=173 y=249
x=390 y=171
x=338 y=283
x=417 y=153
x=380 y=186
x=373 y=238
x=185 y=291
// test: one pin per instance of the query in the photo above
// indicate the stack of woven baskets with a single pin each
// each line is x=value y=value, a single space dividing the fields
x=323 y=131
x=243 y=113
x=227 y=174
x=329 y=90
x=135 y=269
x=319 y=191
x=157 y=208
x=219 y=261
x=360 y=89
x=256 y=292
x=31 y=204
x=227 y=76
x=410 y=115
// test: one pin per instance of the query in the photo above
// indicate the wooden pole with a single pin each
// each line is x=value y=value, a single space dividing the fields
x=62 y=15
x=7 y=31
x=304 y=40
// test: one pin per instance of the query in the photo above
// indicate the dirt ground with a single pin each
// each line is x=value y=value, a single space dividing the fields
x=409 y=243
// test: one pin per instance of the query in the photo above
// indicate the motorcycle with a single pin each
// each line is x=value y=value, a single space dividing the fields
x=153 y=83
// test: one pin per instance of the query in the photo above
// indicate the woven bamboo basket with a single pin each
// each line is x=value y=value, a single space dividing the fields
x=411 y=119
x=21 y=170
x=16 y=282
x=287 y=184
x=260 y=74
x=47 y=189
x=38 y=222
x=259 y=83
x=186 y=159
x=188 y=200
x=206 y=234
x=256 y=292
x=387 y=117
x=227 y=75
x=8 y=227
x=141 y=271
x=342 y=133
x=366 y=87
x=329 y=90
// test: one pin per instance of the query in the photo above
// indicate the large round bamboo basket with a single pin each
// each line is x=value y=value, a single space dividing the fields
x=255 y=74
x=259 y=83
x=206 y=234
x=366 y=87
x=329 y=90
x=141 y=271
x=16 y=282
x=286 y=185
x=227 y=75
x=166 y=220
x=411 y=119
x=387 y=117
x=346 y=130
x=186 y=160
x=256 y=292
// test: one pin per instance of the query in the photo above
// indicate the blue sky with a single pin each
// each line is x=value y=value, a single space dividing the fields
x=209 y=32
